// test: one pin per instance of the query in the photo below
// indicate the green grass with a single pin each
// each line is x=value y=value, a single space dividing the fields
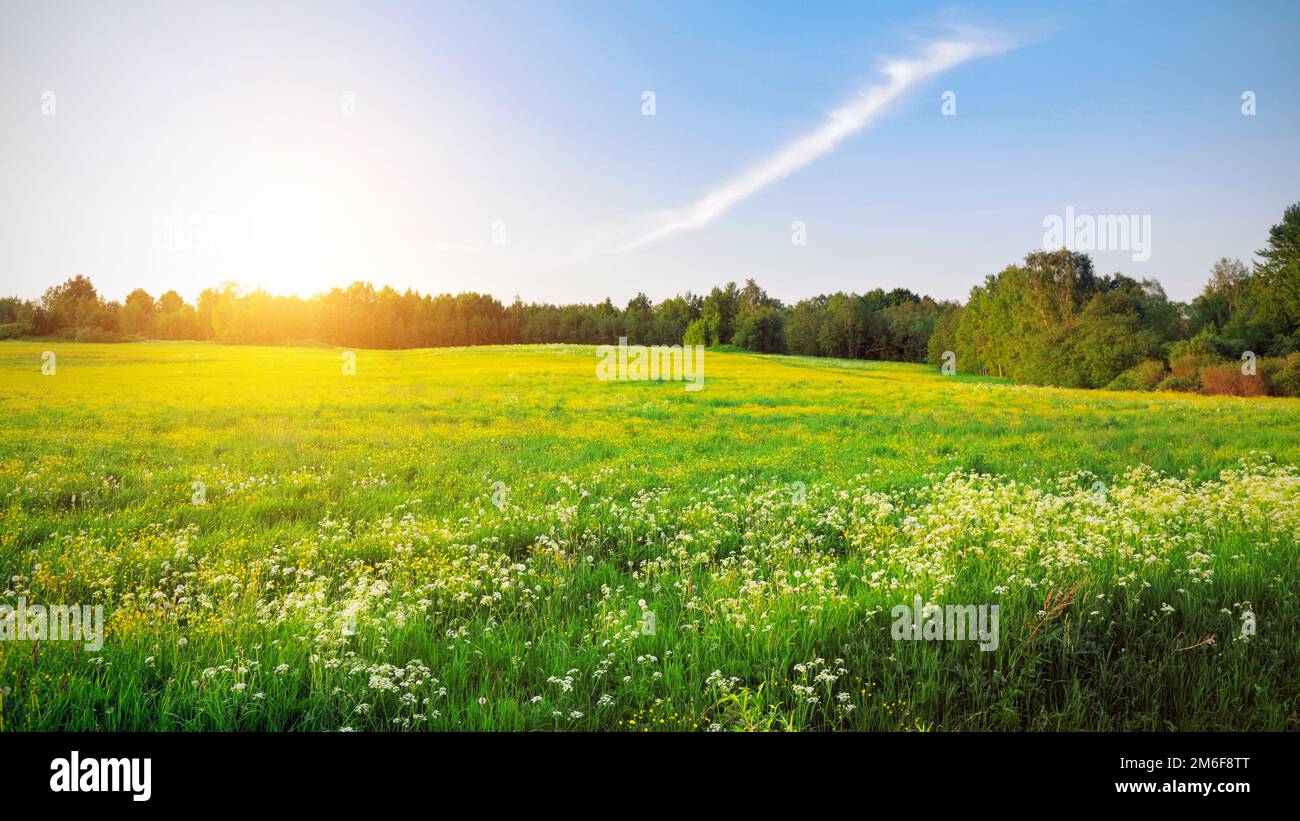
x=351 y=569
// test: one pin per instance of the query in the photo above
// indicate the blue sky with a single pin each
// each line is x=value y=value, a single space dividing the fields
x=501 y=147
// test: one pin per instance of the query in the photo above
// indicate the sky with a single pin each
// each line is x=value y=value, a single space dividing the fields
x=514 y=148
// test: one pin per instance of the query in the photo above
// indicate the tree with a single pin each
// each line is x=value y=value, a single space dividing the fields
x=1283 y=243
x=762 y=330
x=1224 y=294
x=138 y=313
x=804 y=326
x=719 y=311
x=170 y=302
x=1108 y=339
x=638 y=320
x=944 y=336
x=72 y=305
x=1056 y=285
x=753 y=298
x=697 y=333
x=1276 y=297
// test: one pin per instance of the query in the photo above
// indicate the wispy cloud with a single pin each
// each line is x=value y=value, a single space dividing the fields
x=860 y=113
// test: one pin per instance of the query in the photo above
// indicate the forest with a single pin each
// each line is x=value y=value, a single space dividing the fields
x=1049 y=320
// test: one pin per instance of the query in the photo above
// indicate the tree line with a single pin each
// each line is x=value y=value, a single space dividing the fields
x=1051 y=320
x=892 y=325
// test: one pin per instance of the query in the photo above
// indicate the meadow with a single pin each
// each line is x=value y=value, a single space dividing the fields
x=491 y=538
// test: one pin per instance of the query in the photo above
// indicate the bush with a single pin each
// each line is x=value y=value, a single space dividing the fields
x=1188 y=356
x=1228 y=380
x=1178 y=383
x=1189 y=365
x=14 y=330
x=1144 y=376
x=93 y=334
x=1282 y=374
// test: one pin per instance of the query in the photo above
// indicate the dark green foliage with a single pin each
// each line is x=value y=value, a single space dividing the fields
x=1283 y=249
x=1282 y=374
x=893 y=326
x=1182 y=384
x=762 y=330
x=1144 y=376
x=719 y=313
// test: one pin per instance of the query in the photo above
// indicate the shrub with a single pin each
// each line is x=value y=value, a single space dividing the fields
x=1188 y=356
x=1178 y=383
x=93 y=334
x=1144 y=376
x=1282 y=374
x=1228 y=380
x=14 y=330
x=1190 y=365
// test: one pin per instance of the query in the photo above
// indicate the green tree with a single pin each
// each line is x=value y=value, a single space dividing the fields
x=720 y=309
x=138 y=313
x=762 y=330
x=1283 y=243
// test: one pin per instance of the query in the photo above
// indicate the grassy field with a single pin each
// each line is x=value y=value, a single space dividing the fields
x=491 y=538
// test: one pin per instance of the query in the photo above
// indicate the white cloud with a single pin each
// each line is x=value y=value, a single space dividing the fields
x=858 y=114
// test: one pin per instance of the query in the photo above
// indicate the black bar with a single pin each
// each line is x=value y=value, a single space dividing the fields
x=298 y=771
